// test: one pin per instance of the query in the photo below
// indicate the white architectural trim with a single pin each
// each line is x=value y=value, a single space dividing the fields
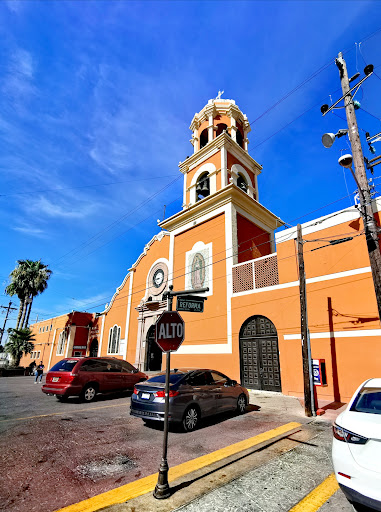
x=319 y=279
x=328 y=221
x=51 y=350
x=128 y=315
x=336 y=334
x=224 y=167
x=70 y=339
x=171 y=258
x=203 y=218
x=185 y=191
x=209 y=168
x=101 y=336
x=238 y=169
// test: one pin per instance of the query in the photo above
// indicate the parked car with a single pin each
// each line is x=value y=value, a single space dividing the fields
x=356 y=447
x=193 y=394
x=87 y=376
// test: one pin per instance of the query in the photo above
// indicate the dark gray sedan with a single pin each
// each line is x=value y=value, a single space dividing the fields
x=193 y=394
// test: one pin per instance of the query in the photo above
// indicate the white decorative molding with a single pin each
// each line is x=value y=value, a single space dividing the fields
x=128 y=315
x=360 y=333
x=238 y=169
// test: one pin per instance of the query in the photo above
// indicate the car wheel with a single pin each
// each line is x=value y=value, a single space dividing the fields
x=241 y=404
x=191 y=418
x=88 y=393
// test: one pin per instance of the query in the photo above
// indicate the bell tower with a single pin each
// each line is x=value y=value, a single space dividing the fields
x=219 y=176
x=220 y=156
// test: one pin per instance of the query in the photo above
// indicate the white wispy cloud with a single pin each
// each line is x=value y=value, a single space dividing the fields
x=31 y=231
x=61 y=208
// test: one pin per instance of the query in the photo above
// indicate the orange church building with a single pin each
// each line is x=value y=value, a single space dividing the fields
x=224 y=239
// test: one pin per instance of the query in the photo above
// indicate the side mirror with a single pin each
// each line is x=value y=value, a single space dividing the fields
x=233 y=382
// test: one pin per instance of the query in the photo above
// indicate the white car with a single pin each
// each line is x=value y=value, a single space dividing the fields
x=356 y=447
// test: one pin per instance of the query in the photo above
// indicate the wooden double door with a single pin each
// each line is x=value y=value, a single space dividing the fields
x=259 y=355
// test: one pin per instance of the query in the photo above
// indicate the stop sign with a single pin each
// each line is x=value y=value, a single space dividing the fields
x=169 y=333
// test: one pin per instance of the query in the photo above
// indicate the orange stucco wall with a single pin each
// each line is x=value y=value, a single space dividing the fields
x=208 y=327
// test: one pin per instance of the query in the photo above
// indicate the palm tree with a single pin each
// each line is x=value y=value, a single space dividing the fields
x=28 y=279
x=20 y=342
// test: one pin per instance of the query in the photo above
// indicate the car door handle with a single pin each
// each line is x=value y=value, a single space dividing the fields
x=218 y=389
x=196 y=389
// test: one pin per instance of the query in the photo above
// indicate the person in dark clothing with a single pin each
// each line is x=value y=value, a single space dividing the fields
x=39 y=372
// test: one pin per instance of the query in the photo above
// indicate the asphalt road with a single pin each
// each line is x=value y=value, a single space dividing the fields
x=57 y=453
x=54 y=454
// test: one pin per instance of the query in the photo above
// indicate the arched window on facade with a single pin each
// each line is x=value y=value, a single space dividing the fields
x=220 y=128
x=242 y=183
x=61 y=343
x=239 y=138
x=113 y=340
x=203 y=186
x=204 y=138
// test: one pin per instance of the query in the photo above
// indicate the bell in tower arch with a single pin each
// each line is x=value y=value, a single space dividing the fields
x=203 y=186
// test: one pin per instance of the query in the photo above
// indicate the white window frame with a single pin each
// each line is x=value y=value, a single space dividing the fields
x=61 y=343
x=113 y=340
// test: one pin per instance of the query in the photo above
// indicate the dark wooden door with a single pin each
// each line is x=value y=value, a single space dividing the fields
x=154 y=352
x=259 y=355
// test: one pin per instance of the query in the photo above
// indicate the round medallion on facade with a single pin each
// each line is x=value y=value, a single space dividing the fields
x=157 y=279
x=198 y=271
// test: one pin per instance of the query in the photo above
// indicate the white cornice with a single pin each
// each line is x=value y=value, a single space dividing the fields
x=223 y=140
x=229 y=194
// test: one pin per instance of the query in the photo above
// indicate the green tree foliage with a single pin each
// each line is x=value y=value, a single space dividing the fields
x=28 y=279
x=20 y=342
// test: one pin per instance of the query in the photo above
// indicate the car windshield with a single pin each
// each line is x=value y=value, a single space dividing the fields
x=174 y=378
x=368 y=400
x=66 y=365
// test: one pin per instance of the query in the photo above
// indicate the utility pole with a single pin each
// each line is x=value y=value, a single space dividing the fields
x=8 y=308
x=309 y=403
x=371 y=230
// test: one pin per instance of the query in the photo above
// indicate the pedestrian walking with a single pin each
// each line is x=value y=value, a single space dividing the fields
x=39 y=372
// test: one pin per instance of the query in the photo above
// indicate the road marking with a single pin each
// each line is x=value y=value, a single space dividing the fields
x=65 y=412
x=147 y=484
x=316 y=498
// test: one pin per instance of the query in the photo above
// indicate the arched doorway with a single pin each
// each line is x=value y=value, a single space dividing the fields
x=153 y=353
x=94 y=348
x=259 y=354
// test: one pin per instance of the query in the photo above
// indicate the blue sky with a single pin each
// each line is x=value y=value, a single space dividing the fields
x=96 y=100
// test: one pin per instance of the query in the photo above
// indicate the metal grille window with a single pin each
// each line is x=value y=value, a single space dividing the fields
x=266 y=272
x=113 y=340
x=61 y=343
x=243 y=278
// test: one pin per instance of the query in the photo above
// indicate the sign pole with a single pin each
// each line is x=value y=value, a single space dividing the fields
x=162 y=490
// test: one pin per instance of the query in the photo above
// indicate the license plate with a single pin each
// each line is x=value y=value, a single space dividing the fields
x=55 y=379
x=146 y=396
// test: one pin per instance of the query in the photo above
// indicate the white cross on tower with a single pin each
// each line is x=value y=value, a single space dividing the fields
x=220 y=93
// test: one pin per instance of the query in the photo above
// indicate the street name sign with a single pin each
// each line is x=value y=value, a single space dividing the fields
x=170 y=331
x=190 y=303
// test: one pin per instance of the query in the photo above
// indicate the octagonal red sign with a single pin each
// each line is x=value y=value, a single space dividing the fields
x=170 y=331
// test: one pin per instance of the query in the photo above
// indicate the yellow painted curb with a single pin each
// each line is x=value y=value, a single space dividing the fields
x=316 y=498
x=148 y=483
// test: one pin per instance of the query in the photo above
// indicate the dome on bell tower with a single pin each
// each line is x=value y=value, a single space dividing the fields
x=218 y=116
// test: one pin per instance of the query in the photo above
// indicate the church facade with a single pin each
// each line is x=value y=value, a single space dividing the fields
x=223 y=239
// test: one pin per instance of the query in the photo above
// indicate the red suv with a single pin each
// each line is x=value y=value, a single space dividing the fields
x=87 y=376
